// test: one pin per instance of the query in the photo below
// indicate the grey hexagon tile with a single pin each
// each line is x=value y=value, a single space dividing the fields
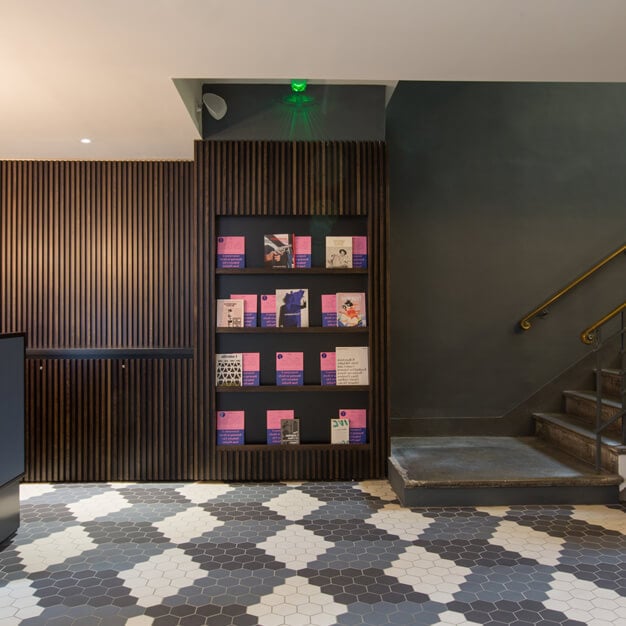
x=304 y=553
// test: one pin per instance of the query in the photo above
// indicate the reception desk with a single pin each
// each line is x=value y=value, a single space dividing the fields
x=11 y=431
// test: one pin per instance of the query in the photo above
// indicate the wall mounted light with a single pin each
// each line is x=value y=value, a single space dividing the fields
x=215 y=105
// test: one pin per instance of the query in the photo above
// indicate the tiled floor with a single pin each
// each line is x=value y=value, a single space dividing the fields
x=305 y=553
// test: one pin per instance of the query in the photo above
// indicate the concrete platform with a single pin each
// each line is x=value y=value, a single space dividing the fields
x=472 y=471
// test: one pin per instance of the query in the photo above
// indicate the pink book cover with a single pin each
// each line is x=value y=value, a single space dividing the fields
x=358 y=424
x=268 y=310
x=230 y=428
x=273 y=423
x=328 y=368
x=251 y=362
x=231 y=252
x=359 y=252
x=302 y=250
x=250 y=308
x=290 y=368
x=329 y=309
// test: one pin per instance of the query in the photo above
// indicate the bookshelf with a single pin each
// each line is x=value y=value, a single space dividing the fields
x=361 y=211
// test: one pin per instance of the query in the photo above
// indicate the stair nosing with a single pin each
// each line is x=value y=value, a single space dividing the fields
x=606 y=400
x=563 y=420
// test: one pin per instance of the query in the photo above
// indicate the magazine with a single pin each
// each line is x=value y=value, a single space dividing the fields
x=231 y=252
x=328 y=371
x=268 y=310
x=290 y=368
x=339 y=252
x=229 y=369
x=292 y=308
x=250 y=307
x=278 y=251
x=358 y=424
x=351 y=310
x=359 y=252
x=290 y=430
x=230 y=428
x=273 y=421
x=302 y=250
x=339 y=430
x=230 y=313
x=352 y=365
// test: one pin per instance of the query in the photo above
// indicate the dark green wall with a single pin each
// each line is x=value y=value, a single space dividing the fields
x=500 y=194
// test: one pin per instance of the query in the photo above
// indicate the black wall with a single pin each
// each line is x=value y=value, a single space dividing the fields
x=500 y=194
x=272 y=113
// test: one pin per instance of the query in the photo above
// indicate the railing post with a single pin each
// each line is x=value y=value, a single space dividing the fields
x=623 y=377
x=597 y=346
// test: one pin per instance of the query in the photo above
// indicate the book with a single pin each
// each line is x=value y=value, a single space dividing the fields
x=229 y=369
x=339 y=430
x=328 y=371
x=352 y=365
x=268 y=310
x=329 y=309
x=250 y=308
x=358 y=424
x=273 y=419
x=339 y=252
x=290 y=368
x=278 y=251
x=291 y=308
x=230 y=428
x=351 y=311
x=290 y=431
x=251 y=369
x=302 y=250
x=229 y=313
x=231 y=252
x=359 y=252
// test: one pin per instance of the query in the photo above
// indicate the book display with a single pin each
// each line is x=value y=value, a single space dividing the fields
x=311 y=347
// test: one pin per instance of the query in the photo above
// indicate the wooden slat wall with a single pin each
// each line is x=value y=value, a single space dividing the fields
x=292 y=178
x=97 y=256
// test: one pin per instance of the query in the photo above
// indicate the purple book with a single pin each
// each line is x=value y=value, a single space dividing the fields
x=274 y=418
x=250 y=308
x=251 y=368
x=231 y=252
x=302 y=250
x=230 y=428
x=328 y=371
x=358 y=424
x=290 y=368
x=359 y=252
x=268 y=310
x=329 y=309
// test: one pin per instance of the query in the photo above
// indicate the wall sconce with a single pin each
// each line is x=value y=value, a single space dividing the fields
x=215 y=105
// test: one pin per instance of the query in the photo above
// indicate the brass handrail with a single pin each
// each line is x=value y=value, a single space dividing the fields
x=525 y=321
x=588 y=335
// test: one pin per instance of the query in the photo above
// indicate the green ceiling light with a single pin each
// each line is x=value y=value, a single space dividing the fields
x=298 y=85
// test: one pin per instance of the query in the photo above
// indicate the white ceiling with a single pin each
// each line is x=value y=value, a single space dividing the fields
x=104 y=69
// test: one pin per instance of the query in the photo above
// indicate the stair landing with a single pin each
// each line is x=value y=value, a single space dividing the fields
x=474 y=471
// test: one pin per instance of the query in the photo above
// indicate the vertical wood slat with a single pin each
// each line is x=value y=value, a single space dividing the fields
x=88 y=249
x=99 y=255
x=240 y=178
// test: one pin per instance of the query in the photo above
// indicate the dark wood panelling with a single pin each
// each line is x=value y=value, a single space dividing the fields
x=240 y=178
x=96 y=254
x=104 y=419
x=96 y=269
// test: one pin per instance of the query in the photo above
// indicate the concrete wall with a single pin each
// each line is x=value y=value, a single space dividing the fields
x=500 y=194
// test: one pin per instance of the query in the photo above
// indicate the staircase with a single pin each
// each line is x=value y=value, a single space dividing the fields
x=556 y=465
x=573 y=430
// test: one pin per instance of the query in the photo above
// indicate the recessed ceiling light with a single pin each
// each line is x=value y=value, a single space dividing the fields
x=85 y=140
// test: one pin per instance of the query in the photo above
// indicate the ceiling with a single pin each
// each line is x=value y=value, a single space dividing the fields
x=106 y=69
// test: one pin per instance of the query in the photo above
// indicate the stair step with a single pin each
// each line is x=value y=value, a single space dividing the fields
x=468 y=471
x=575 y=436
x=611 y=382
x=583 y=404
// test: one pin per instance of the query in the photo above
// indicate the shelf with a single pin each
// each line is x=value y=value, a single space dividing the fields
x=289 y=388
x=311 y=329
x=279 y=447
x=283 y=270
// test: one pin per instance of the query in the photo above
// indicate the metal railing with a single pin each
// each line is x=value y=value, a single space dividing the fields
x=542 y=309
x=593 y=335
